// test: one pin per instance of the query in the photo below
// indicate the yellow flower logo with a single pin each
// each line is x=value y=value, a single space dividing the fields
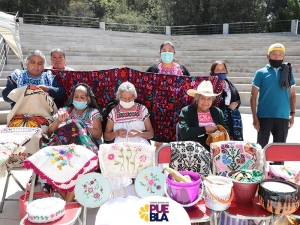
x=144 y=213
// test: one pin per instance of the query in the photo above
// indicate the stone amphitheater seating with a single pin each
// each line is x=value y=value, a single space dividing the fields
x=95 y=49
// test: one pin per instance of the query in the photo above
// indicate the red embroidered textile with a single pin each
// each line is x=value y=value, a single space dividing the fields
x=163 y=95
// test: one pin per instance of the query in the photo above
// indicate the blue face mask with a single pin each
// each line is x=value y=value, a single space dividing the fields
x=221 y=76
x=167 y=57
x=79 y=105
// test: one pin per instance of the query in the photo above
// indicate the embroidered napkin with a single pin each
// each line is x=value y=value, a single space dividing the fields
x=62 y=165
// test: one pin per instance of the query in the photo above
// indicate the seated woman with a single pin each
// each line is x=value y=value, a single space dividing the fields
x=35 y=75
x=79 y=122
x=200 y=118
x=128 y=121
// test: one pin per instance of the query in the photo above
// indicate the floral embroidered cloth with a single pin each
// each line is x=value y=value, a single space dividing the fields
x=235 y=155
x=164 y=95
x=190 y=156
x=12 y=141
x=61 y=166
x=119 y=162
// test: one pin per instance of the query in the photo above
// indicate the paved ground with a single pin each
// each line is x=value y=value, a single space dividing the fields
x=10 y=214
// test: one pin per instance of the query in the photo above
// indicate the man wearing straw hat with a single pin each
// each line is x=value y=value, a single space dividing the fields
x=277 y=100
x=200 y=118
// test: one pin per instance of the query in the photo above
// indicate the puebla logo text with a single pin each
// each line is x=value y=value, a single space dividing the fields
x=155 y=212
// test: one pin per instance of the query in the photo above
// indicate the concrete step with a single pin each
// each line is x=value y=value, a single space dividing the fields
x=4 y=105
x=3 y=116
x=248 y=87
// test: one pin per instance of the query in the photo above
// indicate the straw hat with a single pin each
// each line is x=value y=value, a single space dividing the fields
x=204 y=88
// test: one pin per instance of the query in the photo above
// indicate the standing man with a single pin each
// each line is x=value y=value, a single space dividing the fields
x=277 y=100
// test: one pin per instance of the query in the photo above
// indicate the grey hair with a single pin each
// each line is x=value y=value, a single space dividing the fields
x=128 y=87
x=197 y=96
x=35 y=52
x=84 y=89
x=58 y=50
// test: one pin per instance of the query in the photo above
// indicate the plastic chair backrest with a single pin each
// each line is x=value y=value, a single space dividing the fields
x=163 y=155
x=278 y=152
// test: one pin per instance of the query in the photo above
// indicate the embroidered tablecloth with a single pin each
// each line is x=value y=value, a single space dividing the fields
x=119 y=162
x=12 y=149
x=163 y=95
x=61 y=166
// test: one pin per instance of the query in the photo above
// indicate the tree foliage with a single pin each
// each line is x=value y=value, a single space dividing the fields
x=162 y=12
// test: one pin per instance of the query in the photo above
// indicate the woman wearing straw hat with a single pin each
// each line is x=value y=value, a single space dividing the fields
x=200 y=118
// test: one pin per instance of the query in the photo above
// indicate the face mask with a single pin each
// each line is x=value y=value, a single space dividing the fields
x=275 y=63
x=79 y=105
x=221 y=76
x=126 y=105
x=167 y=57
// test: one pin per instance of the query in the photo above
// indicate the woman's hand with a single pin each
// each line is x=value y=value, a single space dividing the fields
x=134 y=133
x=121 y=133
x=233 y=105
x=43 y=88
x=62 y=117
x=210 y=129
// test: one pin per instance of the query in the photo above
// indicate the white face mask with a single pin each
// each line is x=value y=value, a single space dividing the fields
x=126 y=105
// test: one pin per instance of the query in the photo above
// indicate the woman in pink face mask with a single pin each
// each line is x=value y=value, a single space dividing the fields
x=230 y=101
x=128 y=121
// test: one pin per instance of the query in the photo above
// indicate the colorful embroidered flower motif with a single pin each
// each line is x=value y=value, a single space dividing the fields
x=111 y=156
x=151 y=182
x=62 y=156
x=92 y=189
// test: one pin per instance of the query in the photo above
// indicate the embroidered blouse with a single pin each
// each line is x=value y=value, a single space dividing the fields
x=23 y=78
x=205 y=119
x=133 y=119
x=176 y=70
x=87 y=117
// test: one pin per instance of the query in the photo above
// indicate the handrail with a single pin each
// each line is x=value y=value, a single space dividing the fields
x=203 y=29
x=4 y=48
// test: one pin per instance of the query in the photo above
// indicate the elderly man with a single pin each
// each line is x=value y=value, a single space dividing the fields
x=58 y=60
x=277 y=100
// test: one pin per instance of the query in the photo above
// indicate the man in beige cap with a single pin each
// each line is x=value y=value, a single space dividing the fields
x=277 y=100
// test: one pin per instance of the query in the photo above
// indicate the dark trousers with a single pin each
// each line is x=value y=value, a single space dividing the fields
x=275 y=126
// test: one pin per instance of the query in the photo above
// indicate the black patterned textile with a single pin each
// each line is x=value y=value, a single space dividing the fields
x=191 y=156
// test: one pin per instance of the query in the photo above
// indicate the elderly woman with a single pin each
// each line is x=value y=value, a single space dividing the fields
x=200 y=118
x=128 y=121
x=34 y=75
x=79 y=121
x=230 y=102
x=58 y=60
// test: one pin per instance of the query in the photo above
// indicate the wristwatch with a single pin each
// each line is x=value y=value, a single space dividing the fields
x=292 y=113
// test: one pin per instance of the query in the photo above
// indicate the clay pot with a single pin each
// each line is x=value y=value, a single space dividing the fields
x=244 y=192
x=278 y=196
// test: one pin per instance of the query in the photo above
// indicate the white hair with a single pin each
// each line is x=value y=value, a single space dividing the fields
x=127 y=87
x=35 y=52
